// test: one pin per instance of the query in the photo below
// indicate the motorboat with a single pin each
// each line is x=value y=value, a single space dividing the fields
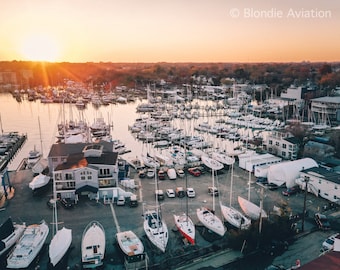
x=250 y=209
x=210 y=220
x=39 y=181
x=150 y=162
x=235 y=217
x=93 y=245
x=186 y=227
x=155 y=229
x=59 y=245
x=9 y=234
x=130 y=243
x=28 y=246
x=212 y=163
x=33 y=157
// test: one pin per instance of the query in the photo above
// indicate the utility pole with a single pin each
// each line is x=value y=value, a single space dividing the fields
x=304 y=204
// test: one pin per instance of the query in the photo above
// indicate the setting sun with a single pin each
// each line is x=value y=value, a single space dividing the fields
x=40 y=47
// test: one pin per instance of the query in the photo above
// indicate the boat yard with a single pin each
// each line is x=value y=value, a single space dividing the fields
x=120 y=218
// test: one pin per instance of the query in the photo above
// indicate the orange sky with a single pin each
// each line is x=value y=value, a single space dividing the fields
x=170 y=30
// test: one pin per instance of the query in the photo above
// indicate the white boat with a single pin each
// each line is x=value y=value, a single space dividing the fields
x=59 y=245
x=150 y=162
x=250 y=209
x=61 y=240
x=28 y=246
x=235 y=217
x=9 y=233
x=186 y=227
x=155 y=229
x=33 y=157
x=39 y=181
x=222 y=158
x=212 y=163
x=93 y=245
x=130 y=243
x=232 y=215
x=210 y=220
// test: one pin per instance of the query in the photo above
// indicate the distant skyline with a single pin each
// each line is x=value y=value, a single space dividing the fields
x=170 y=30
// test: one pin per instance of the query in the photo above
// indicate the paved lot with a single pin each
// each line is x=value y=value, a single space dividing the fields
x=24 y=207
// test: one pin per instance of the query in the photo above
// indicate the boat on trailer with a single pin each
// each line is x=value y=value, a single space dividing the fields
x=9 y=234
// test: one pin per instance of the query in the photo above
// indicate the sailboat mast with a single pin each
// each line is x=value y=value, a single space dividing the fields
x=41 y=144
x=213 y=184
x=231 y=184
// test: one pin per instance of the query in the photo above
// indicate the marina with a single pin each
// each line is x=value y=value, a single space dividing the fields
x=104 y=209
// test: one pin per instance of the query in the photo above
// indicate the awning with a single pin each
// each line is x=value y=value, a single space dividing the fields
x=87 y=188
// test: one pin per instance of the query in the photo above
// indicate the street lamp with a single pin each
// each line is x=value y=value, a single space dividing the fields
x=304 y=204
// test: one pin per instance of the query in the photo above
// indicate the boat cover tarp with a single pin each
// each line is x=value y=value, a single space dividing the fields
x=287 y=172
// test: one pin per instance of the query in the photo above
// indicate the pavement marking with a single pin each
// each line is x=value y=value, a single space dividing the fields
x=115 y=217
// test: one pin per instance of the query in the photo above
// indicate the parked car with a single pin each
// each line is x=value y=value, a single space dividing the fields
x=180 y=192
x=142 y=174
x=213 y=191
x=160 y=194
x=170 y=193
x=67 y=203
x=262 y=180
x=328 y=244
x=322 y=222
x=133 y=201
x=161 y=175
x=271 y=186
x=150 y=173
x=180 y=173
x=290 y=191
x=121 y=200
x=195 y=171
x=191 y=192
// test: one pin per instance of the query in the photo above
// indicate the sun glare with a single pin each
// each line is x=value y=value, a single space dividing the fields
x=40 y=48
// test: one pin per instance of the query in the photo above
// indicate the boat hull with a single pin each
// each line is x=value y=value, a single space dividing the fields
x=129 y=243
x=210 y=221
x=250 y=209
x=156 y=230
x=39 y=181
x=93 y=245
x=15 y=231
x=186 y=227
x=235 y=217
x=59 y=245
x=28 y=246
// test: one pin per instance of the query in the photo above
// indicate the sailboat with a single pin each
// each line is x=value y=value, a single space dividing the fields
x=93 y=245
x=206 y=216
x=250 y=209
x=155 y=227
x=232 y=215
x=62 y=238
x=184 y=223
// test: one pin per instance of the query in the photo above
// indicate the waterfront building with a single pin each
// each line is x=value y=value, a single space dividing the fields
x=81 y=169
x=326 y=110
x=282 y=144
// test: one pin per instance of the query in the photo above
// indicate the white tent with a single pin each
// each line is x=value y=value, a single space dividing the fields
x=287 y=172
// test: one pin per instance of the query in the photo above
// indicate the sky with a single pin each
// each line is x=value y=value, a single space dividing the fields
x=170 y=30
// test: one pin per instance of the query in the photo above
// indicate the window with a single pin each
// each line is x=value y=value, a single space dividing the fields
x=89 y=177
x=277 y=143
x=57 y=176
x=284 y=145
x=283 y=153
x=82 y=178
x=68 y=176
x=54 y=160
x=270 y=142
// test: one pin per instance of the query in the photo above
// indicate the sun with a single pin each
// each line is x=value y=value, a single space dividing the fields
x=40 y=47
